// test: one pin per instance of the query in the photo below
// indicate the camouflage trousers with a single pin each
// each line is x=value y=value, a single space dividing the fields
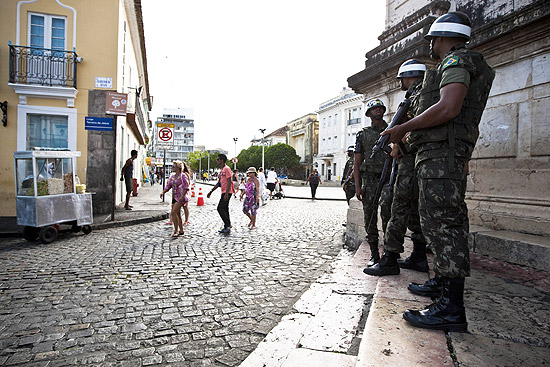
x=370 y=212
x=404 y=214
x=444 y=220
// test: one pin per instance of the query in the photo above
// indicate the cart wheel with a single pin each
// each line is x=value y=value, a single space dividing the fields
x=30 y=233
x=75 y=228
x=48 y=234
x=87 y=229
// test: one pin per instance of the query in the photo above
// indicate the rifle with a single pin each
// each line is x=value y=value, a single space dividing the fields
x=398 y=119
x=382 y=144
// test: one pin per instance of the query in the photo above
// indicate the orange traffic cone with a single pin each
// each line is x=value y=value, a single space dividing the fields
x=200 y=199
x=192 y=191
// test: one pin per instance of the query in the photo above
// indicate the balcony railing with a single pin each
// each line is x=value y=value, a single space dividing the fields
x=42 y=66
x=354 y=121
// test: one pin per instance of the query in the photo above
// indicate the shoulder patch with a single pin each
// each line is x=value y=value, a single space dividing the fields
x=451 y=61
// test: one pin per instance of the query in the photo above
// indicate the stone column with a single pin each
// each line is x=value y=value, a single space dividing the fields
x=101 y=172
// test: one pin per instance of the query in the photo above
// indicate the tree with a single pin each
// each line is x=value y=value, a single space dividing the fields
x=251 y=157
x=193 y=160
x=281 y=156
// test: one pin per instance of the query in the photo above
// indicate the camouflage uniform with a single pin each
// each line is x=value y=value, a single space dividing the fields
x=349 y=187
x=443 y=152
x=404 y=207
x=371 y=170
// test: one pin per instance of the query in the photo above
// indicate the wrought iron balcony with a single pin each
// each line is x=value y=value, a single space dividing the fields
x=354 y=121
x=42 y=66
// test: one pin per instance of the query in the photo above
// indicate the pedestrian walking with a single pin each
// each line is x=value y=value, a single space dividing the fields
x=445 y=134
x=252 y=197
x=236 y=181
x=271 y=179
x=242 y=187
x=226 y=184
x=367 y=173
x=404 y=207
x=152 y=175
x=126 y=175
x=261 y=178
x=179 y=184
x=314 y=180
x=186 y=172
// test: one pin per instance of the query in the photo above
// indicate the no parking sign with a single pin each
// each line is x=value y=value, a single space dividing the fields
x=165 y=136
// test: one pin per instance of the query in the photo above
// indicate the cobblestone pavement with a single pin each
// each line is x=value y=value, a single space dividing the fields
x=133 y=296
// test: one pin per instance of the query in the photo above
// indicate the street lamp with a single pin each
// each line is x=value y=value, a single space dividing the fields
x=200 y=164
x=235 y=140
x=263 y=132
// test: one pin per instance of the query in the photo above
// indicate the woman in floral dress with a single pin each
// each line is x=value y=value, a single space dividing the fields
x=252 y=197
x=179 y=183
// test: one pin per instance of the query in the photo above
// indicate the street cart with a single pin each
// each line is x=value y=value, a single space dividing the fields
x=47 y=196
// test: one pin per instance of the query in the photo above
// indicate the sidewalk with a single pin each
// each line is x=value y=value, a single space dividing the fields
x=349 y=319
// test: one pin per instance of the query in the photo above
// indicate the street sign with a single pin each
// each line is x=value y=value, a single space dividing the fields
x=98 y=123
x=235 y=160
x=115 y=103
x=165 y=136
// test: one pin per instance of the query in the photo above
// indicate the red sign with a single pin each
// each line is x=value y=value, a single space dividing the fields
x=165 y=134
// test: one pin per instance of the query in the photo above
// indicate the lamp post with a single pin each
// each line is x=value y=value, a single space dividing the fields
x=235 y=140
x=200 y=165
x=208 y=170
x=263 y=132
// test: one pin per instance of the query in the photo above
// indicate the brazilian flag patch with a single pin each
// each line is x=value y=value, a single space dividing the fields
x=450 y=62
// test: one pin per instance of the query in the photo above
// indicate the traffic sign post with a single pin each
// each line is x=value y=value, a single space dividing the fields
x=165 y=136
x=235 y=161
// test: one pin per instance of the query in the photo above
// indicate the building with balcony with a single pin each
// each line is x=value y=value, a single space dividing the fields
x=61 y=61
x=275 y=137
x=340 y=118
x=303 y=136
x=509 y=174
x=184 y=133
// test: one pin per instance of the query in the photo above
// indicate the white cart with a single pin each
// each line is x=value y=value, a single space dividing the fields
x=45 y=184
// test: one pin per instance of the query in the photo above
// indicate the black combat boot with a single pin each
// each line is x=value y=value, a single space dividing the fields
x=417 y=260
x=447 y=313
x=374 y=254
x=431 y=288
x=387 y=266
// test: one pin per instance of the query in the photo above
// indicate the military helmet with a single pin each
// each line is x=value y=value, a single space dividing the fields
x=375 y=103
x=453 y=24
x=411 y=68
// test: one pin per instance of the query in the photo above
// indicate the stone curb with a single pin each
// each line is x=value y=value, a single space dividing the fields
x=106 y=225
x=130 y=222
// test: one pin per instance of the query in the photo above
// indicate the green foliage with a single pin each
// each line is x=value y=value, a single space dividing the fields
x=251 y=157
x=194 y=157
x=281 y=156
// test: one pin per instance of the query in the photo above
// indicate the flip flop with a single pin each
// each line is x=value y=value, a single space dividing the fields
x=175 y=235
x=181 y=233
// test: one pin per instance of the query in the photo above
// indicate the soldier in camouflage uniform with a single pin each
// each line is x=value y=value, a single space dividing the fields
x=404 y=207
x=367 y=172
x=445 y=134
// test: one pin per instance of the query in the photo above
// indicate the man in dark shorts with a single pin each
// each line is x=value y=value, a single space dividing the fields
x=126 y=175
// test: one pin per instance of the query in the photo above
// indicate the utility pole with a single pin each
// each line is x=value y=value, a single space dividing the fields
x=263 y=132
x=235 y=164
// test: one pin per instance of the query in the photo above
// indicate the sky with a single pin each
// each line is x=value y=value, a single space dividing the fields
x=243 y=65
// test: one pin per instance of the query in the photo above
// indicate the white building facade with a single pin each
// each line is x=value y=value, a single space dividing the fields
x=340 y=119
x=184 y=133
